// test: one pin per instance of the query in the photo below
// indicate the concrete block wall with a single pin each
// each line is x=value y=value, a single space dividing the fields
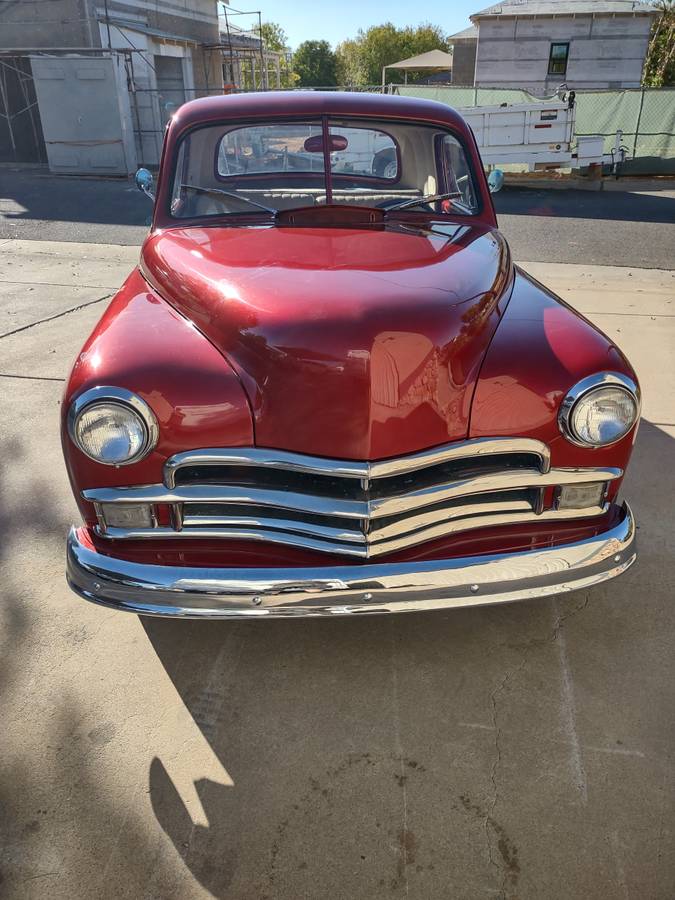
x=605 y=51
x=59 y=23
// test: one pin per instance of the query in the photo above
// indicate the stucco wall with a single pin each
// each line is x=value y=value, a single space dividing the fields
x=605 y=51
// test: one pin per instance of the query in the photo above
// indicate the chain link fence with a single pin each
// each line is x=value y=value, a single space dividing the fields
x=645 y=116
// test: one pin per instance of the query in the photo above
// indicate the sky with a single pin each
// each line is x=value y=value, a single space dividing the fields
x=335 y=20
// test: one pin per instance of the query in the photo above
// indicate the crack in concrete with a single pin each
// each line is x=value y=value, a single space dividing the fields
x=60 y=315
x=31 y=377
x=489 y=824
x=68 y=284
x=404 y=834
x=559 y=621
x=659 y=834
x=568 y=712
x=489 y=821
x=630 y=315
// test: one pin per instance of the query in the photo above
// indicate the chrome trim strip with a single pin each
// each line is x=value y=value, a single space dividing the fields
x=355 y=509
x=183 y=592
x=465 y=512
x=351 y=546
x=217 y=524
x=583 y=387
x=394 y=529
x=122 y=397
x=316 y=465
x=213 y=493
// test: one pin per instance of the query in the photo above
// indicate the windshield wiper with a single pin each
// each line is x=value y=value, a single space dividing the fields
x=217 y=192
x=429 y=198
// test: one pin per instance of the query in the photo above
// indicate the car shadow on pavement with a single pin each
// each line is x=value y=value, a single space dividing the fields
x=410 y=753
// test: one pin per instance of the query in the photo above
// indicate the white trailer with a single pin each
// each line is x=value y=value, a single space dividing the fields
x=538 y=135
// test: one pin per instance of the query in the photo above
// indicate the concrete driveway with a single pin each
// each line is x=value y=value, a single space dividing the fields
x=521 y=752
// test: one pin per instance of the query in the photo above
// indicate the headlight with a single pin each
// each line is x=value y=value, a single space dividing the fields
x=600 y=410
x=112 y=426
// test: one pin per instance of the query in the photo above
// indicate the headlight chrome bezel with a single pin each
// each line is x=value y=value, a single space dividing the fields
x=120 y=397
x=587 y=386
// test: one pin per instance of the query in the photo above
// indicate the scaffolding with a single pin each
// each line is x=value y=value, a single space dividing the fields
x=20 y=127
x=247 y=64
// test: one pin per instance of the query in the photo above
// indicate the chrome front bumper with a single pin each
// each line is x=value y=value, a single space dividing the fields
x=197 y=593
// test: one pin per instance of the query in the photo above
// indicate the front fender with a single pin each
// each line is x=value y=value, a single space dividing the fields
x=541 y=348
x=143 y=344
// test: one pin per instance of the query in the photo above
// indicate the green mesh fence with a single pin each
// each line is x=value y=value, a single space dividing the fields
x=646 y=118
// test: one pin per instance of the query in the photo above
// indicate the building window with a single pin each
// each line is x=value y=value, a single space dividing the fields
x=557 y=60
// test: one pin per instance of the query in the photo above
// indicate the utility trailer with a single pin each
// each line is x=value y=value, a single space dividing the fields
x=538 y=135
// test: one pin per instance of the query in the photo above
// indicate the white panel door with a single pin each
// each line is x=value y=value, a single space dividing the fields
x=82 y=103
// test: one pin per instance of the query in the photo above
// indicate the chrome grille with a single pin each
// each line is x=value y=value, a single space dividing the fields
x=361 y=509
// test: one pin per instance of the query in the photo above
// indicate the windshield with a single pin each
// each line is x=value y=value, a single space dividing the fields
x=226 y=170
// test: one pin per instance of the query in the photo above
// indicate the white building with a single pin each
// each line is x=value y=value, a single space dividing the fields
x=538 y=44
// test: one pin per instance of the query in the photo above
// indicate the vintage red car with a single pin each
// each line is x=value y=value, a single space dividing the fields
x=327 y=389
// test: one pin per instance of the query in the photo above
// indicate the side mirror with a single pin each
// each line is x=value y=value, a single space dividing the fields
x=495 y=180
x=143 y=179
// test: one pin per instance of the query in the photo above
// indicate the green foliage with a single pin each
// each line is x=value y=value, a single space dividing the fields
x=351 y=68
x=315 y=64
x=360 y=61
x=659 y=69
x=274 y=38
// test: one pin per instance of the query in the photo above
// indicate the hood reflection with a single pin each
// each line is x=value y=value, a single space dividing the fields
x=349 y=342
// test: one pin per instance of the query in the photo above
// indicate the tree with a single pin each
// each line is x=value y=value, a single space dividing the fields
x=315 y=64
x=274 y=39
x=351 y=69
x=360 y=61
x=659 y=69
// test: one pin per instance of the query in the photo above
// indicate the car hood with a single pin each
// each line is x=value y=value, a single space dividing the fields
x=350 y=342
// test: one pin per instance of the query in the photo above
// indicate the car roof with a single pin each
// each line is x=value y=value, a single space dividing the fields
x=273 y=104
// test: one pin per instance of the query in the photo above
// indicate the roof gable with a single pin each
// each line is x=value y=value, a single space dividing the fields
x=470 y=33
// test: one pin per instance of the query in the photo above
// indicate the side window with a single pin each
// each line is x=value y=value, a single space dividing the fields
x=557 y=60
x=457 y=173
x=367 y=152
